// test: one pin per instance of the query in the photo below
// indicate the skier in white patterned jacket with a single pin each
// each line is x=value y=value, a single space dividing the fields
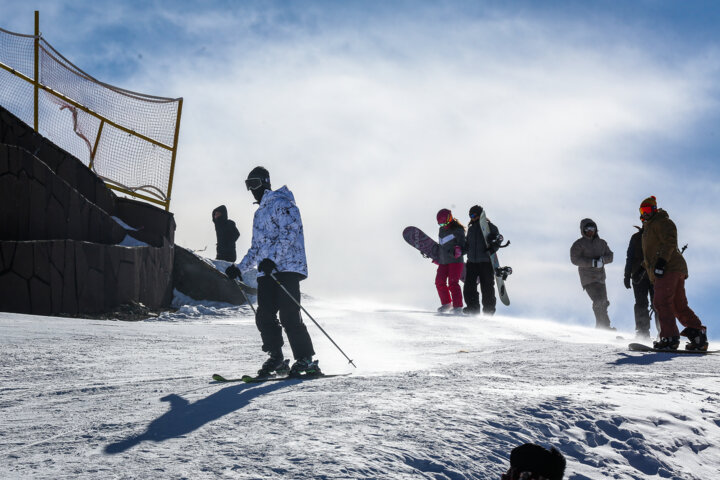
x=278 y=247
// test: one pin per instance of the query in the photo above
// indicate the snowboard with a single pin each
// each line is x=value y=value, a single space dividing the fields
x=639 y=347
x=501 y=273
x=428 y=247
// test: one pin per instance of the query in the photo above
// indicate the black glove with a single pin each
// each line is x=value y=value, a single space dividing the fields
x=232 y=272
x=626 y=281
x=660 y=267
x=266 y=266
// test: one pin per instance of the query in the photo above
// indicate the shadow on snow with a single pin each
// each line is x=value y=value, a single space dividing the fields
x=185 y=417
x=646 y=358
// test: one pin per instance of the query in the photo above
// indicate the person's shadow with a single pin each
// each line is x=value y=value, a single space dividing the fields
x=644 y=359
x=185 y=417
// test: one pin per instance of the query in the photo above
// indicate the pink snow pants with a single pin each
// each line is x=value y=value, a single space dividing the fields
x=447 y=282
x=670 y=303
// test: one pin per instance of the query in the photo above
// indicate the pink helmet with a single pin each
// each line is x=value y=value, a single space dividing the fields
x=444 y=216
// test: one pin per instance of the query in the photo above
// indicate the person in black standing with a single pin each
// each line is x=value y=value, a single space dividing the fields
x=636 y=278
x=278 y=249
x=479 y=265
x=227 y=234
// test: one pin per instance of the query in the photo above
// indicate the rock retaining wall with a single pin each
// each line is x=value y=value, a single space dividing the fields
x=58 y=237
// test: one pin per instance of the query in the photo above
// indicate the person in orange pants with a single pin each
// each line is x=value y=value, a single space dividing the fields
x=667 y=270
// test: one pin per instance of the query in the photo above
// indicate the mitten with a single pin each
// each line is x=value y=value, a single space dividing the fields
x=266 y=266
x=232 y=272
x=660 y=267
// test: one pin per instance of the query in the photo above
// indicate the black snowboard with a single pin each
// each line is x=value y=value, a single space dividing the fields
x=639 y=347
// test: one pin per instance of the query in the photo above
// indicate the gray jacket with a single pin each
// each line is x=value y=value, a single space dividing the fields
x=475 y=244
x=585 y=250
x=449 y=238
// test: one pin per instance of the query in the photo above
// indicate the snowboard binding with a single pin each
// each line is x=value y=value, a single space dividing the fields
x=503 y=272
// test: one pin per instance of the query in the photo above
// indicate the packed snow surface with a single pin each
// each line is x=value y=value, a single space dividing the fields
x=437 y=397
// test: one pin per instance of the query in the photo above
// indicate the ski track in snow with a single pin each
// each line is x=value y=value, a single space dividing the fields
x=434 y=397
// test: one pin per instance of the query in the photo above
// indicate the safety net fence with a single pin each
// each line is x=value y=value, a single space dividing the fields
x=128 y=139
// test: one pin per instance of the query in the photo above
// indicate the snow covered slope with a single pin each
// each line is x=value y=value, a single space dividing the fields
x=434 y=397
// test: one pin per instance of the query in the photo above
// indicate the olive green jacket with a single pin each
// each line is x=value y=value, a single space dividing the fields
x=659 y=240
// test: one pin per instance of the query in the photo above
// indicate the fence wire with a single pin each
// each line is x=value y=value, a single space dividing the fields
x=127 y=138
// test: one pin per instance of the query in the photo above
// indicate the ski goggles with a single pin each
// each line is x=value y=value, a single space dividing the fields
x=590 y=228
x=447 y=222
x=647 y=210
x=253 y=183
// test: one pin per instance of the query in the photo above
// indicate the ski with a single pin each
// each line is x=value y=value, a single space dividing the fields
x=274 y=378
x=639 y=347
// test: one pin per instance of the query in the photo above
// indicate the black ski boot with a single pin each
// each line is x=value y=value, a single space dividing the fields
x=667 y=343
x=275 y=364
x=305 y=367
x=471 y=310
x=698 y=338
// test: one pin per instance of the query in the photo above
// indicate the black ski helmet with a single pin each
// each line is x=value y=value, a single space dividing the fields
x=257 y=178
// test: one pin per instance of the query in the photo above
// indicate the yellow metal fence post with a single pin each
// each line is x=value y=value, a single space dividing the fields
x=174 y=154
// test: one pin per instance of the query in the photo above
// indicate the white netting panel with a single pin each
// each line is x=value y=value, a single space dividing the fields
x=121 y=158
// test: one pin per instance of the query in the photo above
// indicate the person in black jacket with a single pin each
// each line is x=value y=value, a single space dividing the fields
x=636 y=278
x=227 y=234
x=479 y=266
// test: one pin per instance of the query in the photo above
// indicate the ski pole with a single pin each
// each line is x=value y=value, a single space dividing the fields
x=247 y=299
x=311 y=317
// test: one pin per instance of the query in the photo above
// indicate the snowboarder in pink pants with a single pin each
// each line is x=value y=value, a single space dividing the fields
x=451 y=238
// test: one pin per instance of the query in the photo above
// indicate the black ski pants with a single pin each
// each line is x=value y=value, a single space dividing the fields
x=486 y=274
x=643 y=290
x=598 y=294
x=273 y=300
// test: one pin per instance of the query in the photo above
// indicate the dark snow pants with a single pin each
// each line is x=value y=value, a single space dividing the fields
x=670 y=303
x=484 y=272
x=598 y=294
x=271 y=300
x=643 y=290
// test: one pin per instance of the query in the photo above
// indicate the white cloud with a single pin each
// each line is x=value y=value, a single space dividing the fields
x=378 y=123
x=371 y=144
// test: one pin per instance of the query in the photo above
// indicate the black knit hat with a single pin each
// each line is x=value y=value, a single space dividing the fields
x=475 y=210
x=258 y=177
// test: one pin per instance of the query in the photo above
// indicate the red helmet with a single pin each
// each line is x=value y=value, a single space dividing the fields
x=444 y=216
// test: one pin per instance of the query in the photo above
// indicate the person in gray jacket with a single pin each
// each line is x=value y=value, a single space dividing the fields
x=451 y=238
x=590 y=253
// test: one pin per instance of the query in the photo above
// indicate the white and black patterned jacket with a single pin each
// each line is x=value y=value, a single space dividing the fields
x=277 y=234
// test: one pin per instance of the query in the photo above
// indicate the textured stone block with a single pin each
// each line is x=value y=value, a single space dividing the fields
x=15 y=293
x=22 y=263
x=57 y=268
x=57 y=252
x=69 y=292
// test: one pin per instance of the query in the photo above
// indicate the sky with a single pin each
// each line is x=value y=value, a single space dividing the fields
x=378 y=114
